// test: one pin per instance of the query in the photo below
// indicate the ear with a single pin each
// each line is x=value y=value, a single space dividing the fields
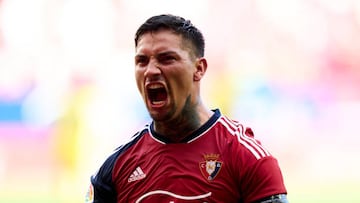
x=201 y=67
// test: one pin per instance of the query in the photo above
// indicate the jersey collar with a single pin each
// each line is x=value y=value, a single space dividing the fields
x=194 y=134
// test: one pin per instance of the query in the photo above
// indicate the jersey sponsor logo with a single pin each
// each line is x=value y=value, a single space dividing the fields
x=210 y=168
x=89 y=198
x=171 y=197
x=137 y=174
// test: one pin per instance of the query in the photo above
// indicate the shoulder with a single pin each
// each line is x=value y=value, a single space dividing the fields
x=243 y=137
x=107 y=166
x=101 y=182
x=260 y=175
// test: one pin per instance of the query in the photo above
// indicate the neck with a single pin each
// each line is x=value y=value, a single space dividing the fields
x=189 y=120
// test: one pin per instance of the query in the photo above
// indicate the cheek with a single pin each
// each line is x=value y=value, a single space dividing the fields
x=185 y=77
x=183 y=82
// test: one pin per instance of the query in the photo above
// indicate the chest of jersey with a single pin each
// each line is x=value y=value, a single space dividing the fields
x=151 y=171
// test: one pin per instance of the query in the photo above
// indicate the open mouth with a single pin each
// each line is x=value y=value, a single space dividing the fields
x=157 y=95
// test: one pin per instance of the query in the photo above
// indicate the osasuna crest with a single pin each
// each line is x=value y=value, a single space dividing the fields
x=211 y=166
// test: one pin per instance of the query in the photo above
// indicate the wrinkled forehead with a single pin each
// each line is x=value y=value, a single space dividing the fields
x=163 y=39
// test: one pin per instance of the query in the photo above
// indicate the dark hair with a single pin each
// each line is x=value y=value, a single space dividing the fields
x=177 y=24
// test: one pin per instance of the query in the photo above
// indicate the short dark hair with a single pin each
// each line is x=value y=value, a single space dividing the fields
x=177 y=24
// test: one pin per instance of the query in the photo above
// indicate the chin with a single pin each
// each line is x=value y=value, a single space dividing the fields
x=155 y=116
x=158 y=117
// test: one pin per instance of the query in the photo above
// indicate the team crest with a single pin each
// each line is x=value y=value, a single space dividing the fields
x=211 y=166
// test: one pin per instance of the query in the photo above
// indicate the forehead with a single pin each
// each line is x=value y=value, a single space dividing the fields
x=161 y=40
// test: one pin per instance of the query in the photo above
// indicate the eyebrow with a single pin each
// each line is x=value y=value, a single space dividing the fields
x=158 y=55
x=167 y=53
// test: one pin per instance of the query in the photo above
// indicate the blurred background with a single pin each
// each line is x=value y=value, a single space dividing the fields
x=290 y=69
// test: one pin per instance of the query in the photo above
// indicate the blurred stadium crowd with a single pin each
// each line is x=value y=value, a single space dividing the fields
x=288 y=68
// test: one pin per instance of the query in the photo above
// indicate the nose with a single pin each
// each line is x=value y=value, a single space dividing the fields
x=152 y=69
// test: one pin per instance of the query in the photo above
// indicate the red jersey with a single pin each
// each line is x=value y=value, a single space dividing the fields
x=219 y=162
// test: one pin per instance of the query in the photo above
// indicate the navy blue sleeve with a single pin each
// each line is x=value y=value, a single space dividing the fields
x=103 y=189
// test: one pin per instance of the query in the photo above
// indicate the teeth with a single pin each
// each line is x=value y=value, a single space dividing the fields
x=154 y=86
x=157 y=102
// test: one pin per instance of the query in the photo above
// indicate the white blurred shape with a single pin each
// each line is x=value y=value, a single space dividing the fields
x=338 y=6
x=15 y=75
x=115 y=100
x=189 y=9
x=299 y=19
x=22 y=24
x=86 y=28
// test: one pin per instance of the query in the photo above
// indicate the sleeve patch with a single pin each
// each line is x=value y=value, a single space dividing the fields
x=89 y=198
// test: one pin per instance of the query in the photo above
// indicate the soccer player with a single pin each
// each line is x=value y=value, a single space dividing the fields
x=187 y=153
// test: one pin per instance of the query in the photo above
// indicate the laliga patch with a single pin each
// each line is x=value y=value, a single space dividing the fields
x=211 y=166
x=89 y=198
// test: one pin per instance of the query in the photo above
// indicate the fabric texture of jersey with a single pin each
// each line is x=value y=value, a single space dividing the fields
x=220 y=162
